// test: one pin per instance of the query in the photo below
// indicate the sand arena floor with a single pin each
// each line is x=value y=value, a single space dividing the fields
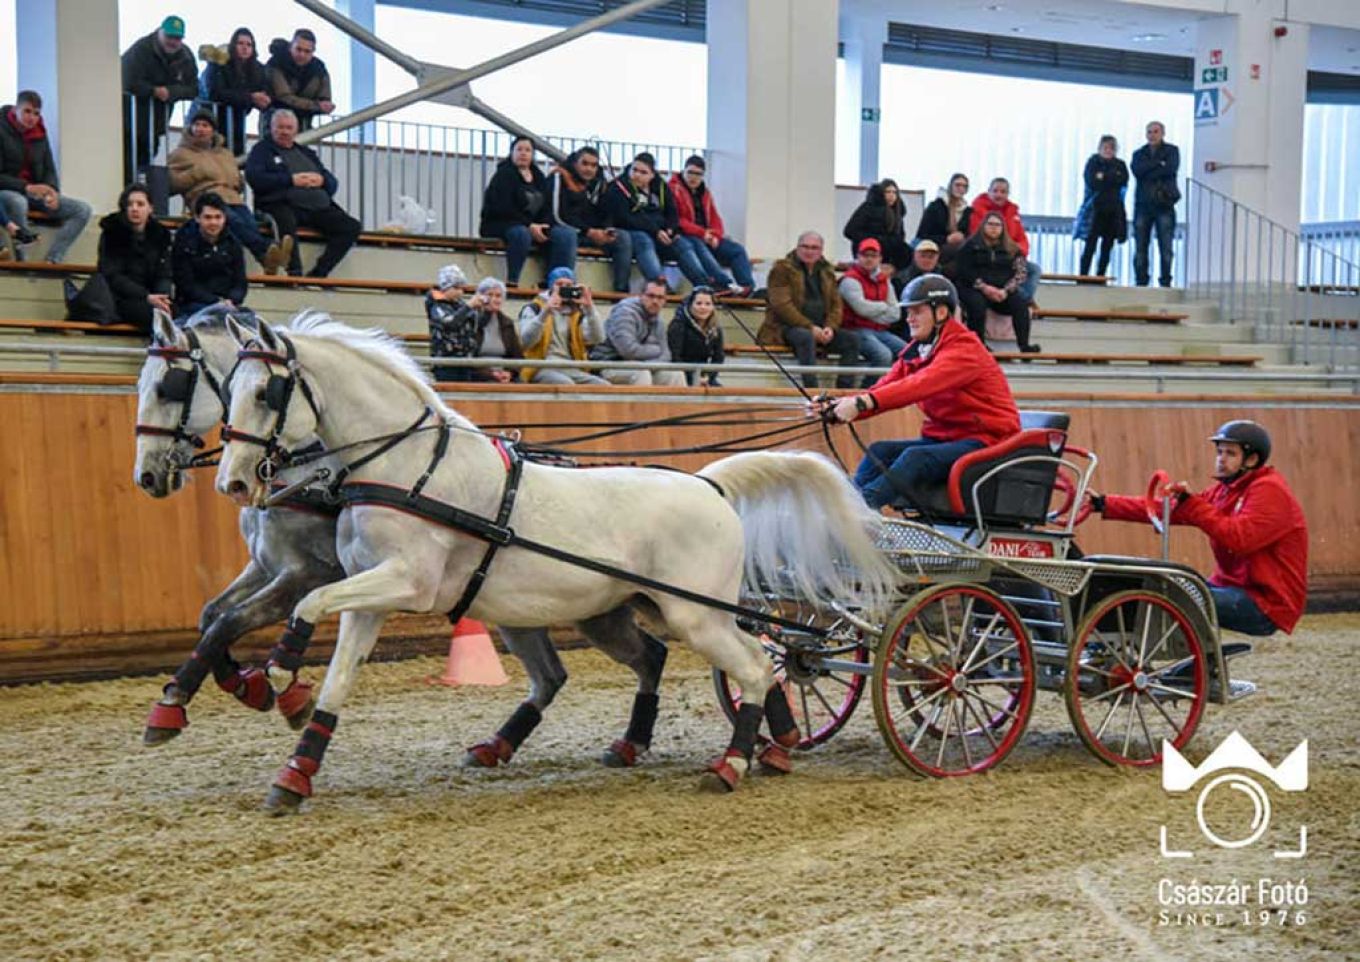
x=113 y=851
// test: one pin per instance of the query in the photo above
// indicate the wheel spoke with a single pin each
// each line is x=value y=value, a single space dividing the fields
x=984 y=725
x=1169 y=720
x=1174 y=666
x=807 y=715
x=1106 y=694
x=985 y=634
x=1109 y=714
x=1147 y=629
x=997 y=681
x=822 y=698
x=995 y=655
x=1147 y=735
x=837 y=679
x=995 y=707
x=963 y=734
x=1160 y=642
x=1128 y=728
x=965 y=620
x=948 y=632
x=944 y=735
x=924 y=726
x=1111 y=650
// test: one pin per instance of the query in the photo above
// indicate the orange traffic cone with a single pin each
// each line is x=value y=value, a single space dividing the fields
x=472 y=658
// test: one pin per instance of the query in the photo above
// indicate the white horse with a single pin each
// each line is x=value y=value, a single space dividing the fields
x=181 y=395
x=775 y=515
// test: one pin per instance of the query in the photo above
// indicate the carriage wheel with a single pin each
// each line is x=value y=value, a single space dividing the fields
x=954 y=681
x=822 y=698
x=1136 y=675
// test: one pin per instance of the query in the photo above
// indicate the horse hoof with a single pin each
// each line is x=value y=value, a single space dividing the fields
x=296 y=704
x=158 y=736
x=723 y=774
x=621 y=754
x=488 y=754
x=775 y=760
x=250 y=686
x=281 y=801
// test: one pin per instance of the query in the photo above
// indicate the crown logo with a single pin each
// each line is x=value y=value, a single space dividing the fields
x=1178 y=775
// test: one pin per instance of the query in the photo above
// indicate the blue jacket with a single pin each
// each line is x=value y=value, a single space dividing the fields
x=269 y=176
x=1150 y=168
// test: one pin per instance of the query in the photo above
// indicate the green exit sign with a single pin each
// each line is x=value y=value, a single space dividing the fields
x=1213 y=75
x=869 y=115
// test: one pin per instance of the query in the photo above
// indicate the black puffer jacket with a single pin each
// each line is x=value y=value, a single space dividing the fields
x=990 y=265
x=935 y=221
x=631 y=209
x=233 y=82
x=691 y=344
x=507 y=201
x=573 y=203
x=135 y=265
x=206 y=272
x=874 y=218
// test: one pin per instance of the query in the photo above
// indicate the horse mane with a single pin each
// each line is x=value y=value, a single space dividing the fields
x=377 y=346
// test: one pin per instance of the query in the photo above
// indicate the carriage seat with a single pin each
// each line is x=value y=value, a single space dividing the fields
x=1017 y=495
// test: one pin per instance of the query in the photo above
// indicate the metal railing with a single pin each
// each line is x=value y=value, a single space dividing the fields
x=1292 y=289
x=1340 y=237
x=1052 y=247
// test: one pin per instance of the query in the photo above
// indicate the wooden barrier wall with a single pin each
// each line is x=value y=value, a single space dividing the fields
x=83 y=552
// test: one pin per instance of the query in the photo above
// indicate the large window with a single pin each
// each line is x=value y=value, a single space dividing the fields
x=1331 y=151
x=1035 y=133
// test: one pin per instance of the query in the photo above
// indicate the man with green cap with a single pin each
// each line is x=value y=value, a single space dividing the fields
x=158 y=70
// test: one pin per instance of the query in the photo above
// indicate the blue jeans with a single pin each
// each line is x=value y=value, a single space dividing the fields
x=243 y=226
x=621 y=258
x=1028 y=289
x=713 y=259
x=71 y=214
x=1144 y=220
x=519 y=242
x=649 y=253
x=878 y=349
x=911 y=466
x=1237 y=612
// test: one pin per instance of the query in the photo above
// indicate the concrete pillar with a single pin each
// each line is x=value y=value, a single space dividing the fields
x=771 y=119
x=863 y=38
x=363 y=84
x=1250 y=90
x=78 y=79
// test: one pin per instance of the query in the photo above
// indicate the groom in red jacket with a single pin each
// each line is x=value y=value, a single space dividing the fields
x=952 y=377
x=1255 y=527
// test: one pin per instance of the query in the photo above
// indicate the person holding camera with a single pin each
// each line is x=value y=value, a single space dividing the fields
x=472 y=328
x=636 y=332
x=560 y=324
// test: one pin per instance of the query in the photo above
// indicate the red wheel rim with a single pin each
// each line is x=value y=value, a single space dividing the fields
x=1136 y=679
x=955 y=682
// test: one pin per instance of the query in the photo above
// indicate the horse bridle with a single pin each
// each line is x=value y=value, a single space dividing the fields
x=179 y=385
x=278 y=392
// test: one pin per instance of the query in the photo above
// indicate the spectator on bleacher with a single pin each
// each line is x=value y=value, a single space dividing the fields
x=805 y=309
x=515 y=209
x=28 y=180
x=701 y=227
x=925 y=259
x=695 y=336
x=634 y=331
x=1101 y=216
x=298 y=78
x=560 y=324
x=991 y=272
x=638 y=201
x=997 y=201
x=295 y=188
x=881 y=217
x=158 y=71
x=473 y=328
x=201 y=164
x=870 y=308
x=948 y=218
x=577 y=192
x=233 y=83
x=207 y=262
x=1157 y=166
x=134 y=257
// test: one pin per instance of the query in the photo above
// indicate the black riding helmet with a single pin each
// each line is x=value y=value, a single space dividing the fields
x=931 y=289
x=1251 y=436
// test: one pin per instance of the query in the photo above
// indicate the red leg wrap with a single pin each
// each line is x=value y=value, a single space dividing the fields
x=251 y=688
x=296 y=776
x=775 y=758
x=492 y=752
x=625 y=751
x=294 y=700
x=172 y=717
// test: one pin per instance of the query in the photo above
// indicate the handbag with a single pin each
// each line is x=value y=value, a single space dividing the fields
x=1165 y=193
x=93 y=302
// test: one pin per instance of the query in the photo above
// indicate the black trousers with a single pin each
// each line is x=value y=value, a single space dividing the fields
x=975 y=313
x=136 y=311
x=338 y=228
x=844 y=345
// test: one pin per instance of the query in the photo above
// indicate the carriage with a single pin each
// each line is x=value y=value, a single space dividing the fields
x=1004 y=605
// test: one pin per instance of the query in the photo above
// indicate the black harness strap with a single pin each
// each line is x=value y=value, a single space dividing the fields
x=499 y=535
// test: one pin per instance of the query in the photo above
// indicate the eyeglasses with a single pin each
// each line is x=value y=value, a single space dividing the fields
x=648 y=296
x=691 y=172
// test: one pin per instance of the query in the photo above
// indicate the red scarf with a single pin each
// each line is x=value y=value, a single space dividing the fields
x=29 y=137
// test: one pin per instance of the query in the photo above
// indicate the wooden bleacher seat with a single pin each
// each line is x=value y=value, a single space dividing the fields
x=1091 y=279
x=1177 y=360
x=1085 y=314
x=67 y=327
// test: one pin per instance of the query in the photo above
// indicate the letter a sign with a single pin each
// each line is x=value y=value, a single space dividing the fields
x=1206 y=104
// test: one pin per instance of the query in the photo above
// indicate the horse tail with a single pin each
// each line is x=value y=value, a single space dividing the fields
x=806 y=527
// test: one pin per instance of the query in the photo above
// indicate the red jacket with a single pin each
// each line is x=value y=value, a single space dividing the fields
x=875 y=289
x=684 y=206
x=1010 y=213
x=1258 y=534
x=959 y=388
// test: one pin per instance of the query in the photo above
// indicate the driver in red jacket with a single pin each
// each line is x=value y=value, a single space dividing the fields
x=1255 y=527
x=952 y=377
